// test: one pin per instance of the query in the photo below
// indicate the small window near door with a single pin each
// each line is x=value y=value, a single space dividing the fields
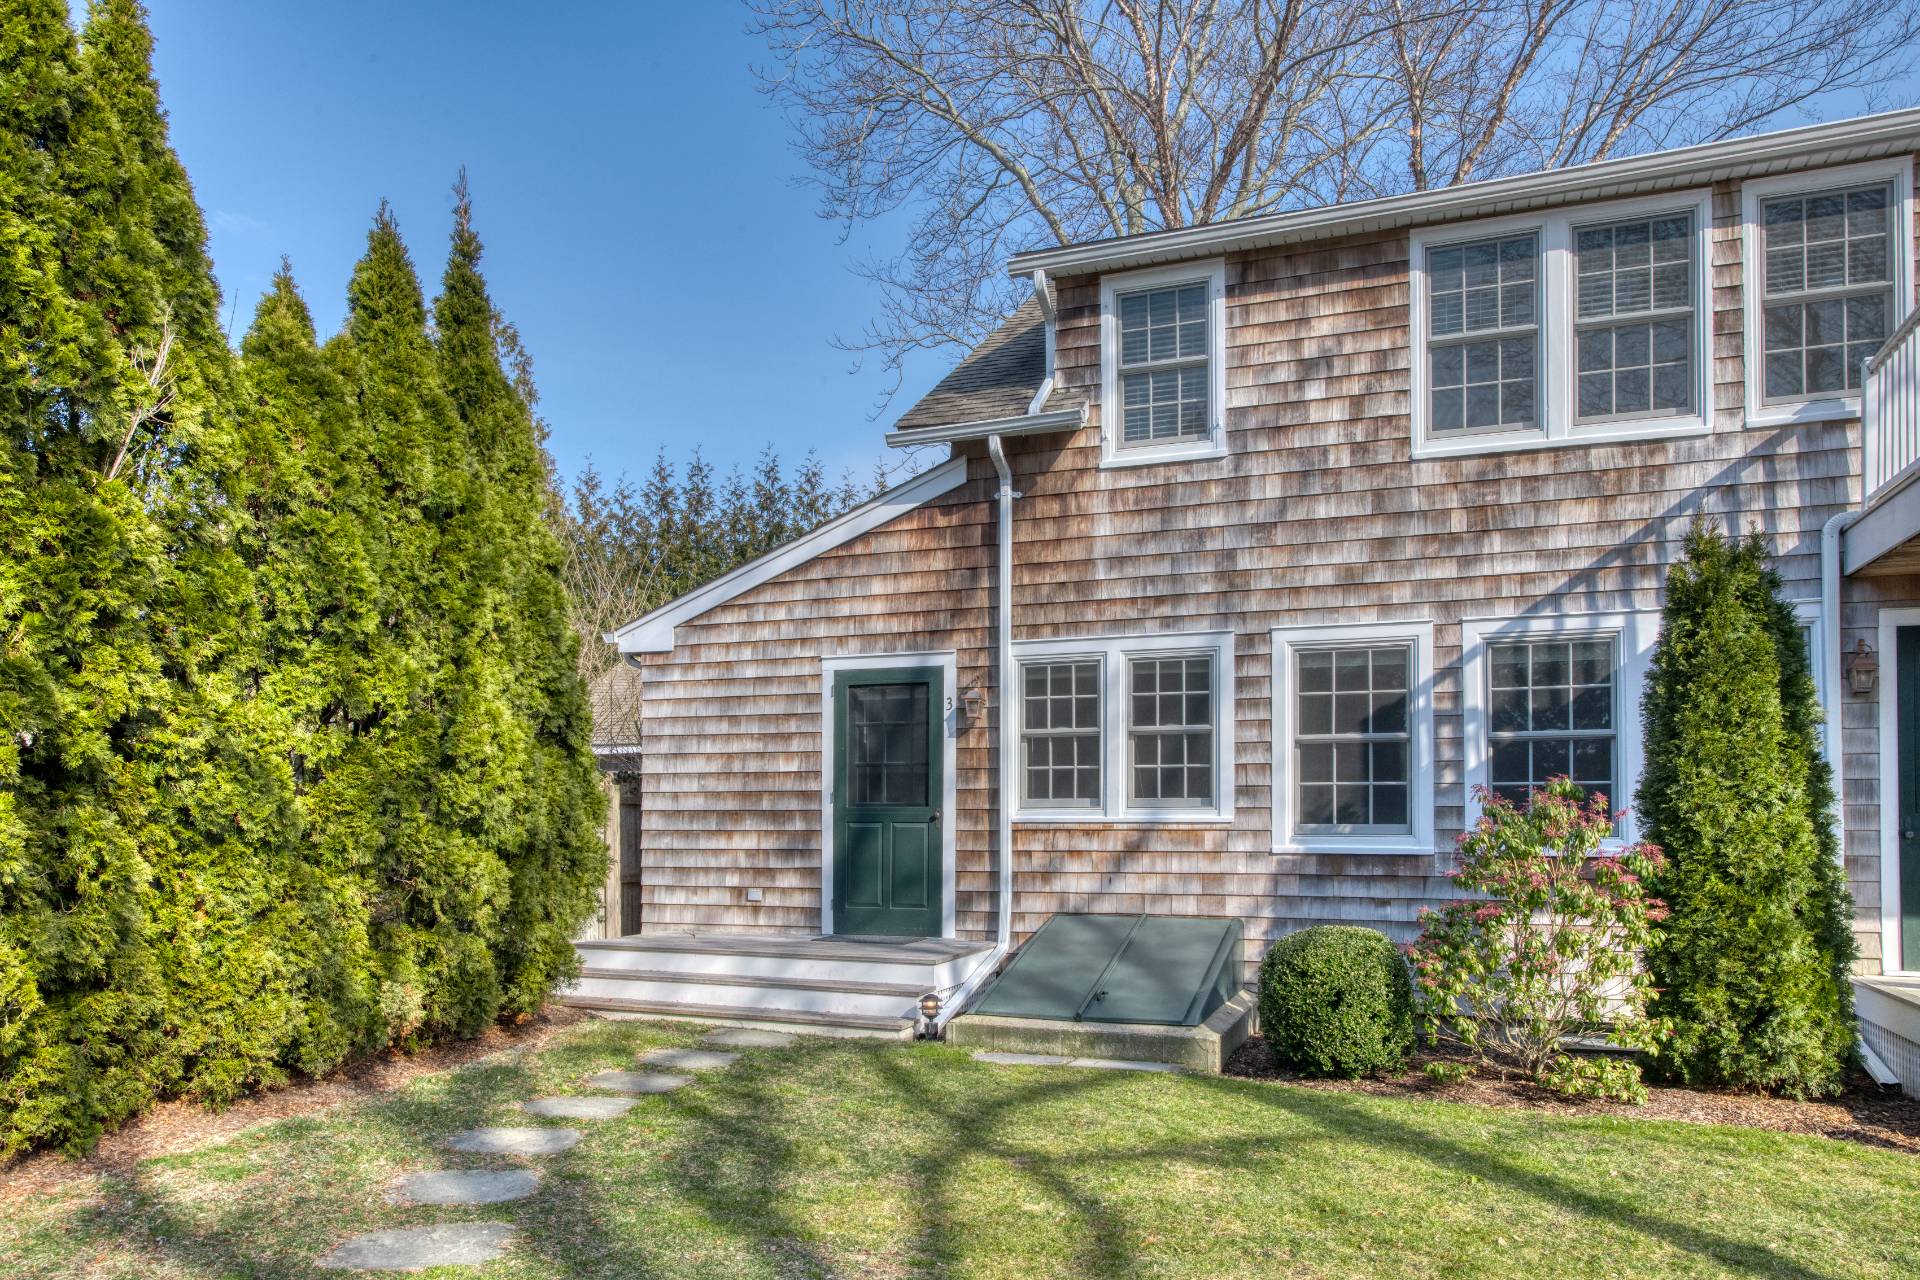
x=1170 y=732
x=1551 y=715
x=887 y=757
x=1060 y=735
x=1352 y=740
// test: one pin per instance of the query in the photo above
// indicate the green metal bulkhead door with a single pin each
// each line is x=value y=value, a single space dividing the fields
x=1170 y=970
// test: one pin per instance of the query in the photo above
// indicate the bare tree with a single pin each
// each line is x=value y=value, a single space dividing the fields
x=1001 y=125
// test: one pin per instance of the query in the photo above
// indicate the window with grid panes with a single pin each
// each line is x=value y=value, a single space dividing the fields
x=889 y=764
x=1827 y=289
x=1163 y=365
x=1634 y=318
x=1483 y=317
x=1351 y=739
x=1550 y=713
x=1060 y=735
x=1170 y=738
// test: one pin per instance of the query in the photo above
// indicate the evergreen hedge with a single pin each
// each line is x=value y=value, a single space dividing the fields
x=1751 y=961
x=294 y=753
x=1337 y=1000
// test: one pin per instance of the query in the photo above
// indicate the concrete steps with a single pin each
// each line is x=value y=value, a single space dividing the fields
x=855 y=986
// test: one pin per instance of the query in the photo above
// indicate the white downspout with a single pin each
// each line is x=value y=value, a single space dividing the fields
x=1003 y=807
x=1830 y=674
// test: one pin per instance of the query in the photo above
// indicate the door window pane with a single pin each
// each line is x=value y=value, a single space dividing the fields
x=1170 y=733
x=1352 y=743
x=887 y=744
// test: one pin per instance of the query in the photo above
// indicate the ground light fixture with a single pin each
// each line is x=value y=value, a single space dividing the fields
x=1863 y=669
x=929 y=1010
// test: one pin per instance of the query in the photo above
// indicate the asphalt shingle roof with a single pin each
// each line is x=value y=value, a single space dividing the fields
x=996 y=380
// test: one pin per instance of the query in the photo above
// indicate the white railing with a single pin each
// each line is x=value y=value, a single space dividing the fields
x=1890 y=411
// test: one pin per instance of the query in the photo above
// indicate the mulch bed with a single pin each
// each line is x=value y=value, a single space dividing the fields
x=1865 y=1113
x=181 y=1125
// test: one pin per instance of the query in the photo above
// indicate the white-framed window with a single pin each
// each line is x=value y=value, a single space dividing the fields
x=1828 y=277
x=1126 y=729
x=1568 y=326
x=1060 y=734
x=1353 y=738
x=1813 y=638
x=1555 y=695
x=1163 y=364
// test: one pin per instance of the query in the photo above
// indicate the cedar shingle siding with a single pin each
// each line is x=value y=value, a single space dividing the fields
x=1317 y=514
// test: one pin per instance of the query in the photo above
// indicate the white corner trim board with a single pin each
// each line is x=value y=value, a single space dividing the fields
x=653 y=633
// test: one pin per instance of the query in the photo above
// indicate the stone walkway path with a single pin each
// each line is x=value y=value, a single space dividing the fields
x=1060 y=1060
x=472 y=1243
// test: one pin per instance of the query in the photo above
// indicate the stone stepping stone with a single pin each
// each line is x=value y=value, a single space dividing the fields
x=450 y=1245
x=1022 y=1059
x=578 y=1108
x=464 y=1186
x=688 y=1059
x=748 y=1038
x=514 y=1142
x=637 y=1081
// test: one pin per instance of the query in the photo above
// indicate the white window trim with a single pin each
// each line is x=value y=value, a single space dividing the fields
x=1898 y=171
x=1115 y=721
x=948 y=662
x=1809 y=614
x=1075 y=808
x=1635 y=633
x=1214 y=274
x=1420 y=763
x=1557 y=322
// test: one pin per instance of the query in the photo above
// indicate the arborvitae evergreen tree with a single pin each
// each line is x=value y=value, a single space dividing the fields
x=306 y=540
x=1726 y=794
x=538 y=803
x=437 y=891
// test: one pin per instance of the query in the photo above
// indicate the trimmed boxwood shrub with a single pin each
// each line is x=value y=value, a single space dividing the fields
x=1336 y=1000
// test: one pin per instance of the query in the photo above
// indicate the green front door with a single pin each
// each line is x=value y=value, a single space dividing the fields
x=889 y=758
x=1906 y=695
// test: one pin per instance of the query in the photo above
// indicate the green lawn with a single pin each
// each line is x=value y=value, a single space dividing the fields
x=863 y=1159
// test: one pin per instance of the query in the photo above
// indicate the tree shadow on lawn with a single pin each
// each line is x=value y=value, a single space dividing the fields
x=731 y=1146
x=140 y=1212
x=1349 y=1120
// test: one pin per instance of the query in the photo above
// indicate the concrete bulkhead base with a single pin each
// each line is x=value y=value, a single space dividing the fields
x=1203 y=1048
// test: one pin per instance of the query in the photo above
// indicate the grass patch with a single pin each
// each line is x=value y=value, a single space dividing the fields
x=839 y=1158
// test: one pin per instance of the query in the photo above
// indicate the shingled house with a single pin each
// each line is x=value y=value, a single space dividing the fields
x=1258 y=545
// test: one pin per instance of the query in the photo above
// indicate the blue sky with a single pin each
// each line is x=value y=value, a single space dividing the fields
x=638 y=197
x=636 y=194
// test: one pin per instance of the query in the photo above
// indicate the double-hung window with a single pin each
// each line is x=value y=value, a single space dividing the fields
x=1483 y=335
x=1353 y=737
x=1634 y=318
x=1126 y=728
x=1562 y=327
x=1060 y=734
x=1163 y=380
x=1551 y=708
x=1551 y=696
x=1827 y=288
x=1827 y=266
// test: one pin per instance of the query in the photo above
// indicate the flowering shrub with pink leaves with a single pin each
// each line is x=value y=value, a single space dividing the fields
x=1549 y=945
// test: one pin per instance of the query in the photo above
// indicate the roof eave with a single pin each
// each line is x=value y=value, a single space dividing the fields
x=1025 y=424
x=1864 y=138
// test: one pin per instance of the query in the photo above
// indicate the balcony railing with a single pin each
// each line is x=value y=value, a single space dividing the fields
x=1890 y=411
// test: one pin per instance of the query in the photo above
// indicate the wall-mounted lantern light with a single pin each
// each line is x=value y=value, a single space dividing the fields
x=973 y=705
x=1863 y=669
